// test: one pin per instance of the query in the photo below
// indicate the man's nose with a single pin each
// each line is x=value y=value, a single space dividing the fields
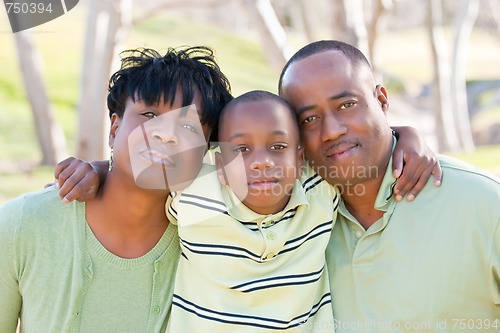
x=332 y=128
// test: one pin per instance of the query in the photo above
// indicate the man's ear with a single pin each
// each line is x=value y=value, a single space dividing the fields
x=115 y=124
x=300 y=160
x=381 y=95
x=219 y=163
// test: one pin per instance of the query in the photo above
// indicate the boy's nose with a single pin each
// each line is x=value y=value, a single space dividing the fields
x=261 y=160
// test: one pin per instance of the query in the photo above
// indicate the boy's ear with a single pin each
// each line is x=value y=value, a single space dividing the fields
x=300 y=160
x=219 y=163
x=115 y=123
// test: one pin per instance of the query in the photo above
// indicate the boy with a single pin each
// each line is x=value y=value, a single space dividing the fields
x=253 y=243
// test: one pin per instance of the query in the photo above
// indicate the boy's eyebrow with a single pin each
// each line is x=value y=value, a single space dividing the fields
x=242 y=135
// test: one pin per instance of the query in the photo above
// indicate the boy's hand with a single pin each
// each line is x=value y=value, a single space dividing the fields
x=413 y=162
x=76 y=180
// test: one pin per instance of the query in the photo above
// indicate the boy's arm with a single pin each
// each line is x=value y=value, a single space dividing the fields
x=79 y=180
x=413 y=163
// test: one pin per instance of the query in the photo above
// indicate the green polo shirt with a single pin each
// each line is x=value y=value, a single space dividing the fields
x=431 y=265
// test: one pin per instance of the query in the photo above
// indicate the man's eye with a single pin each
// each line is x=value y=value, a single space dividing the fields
x=347 y=105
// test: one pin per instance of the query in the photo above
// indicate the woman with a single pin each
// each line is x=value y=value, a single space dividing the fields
x=108 y=265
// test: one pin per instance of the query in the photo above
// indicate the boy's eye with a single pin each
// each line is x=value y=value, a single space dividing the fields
x=278 y=147
x=240 y=149
x=309 y=119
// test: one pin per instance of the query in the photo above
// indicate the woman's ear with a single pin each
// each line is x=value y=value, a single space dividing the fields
x=219 y=163
x=115 y=124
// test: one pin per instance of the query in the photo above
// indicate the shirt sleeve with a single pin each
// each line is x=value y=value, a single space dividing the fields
x=10 y=297
x=495 y=265
x=171 y=207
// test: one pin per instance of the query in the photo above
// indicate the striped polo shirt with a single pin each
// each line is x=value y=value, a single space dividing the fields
x=245 y=272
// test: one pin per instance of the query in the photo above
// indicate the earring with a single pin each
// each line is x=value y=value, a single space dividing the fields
x=110 y=162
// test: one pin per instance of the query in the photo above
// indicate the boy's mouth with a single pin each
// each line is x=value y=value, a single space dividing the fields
x=263 y=184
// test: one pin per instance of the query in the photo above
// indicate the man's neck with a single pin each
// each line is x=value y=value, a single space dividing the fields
x=361 y=205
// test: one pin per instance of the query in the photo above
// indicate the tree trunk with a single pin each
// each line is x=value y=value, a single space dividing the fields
x=107 y=24
x=463 y=27
x=50 y=136
x=354 y=21
x=381 y=7
x=272 y=35
x=445 y=125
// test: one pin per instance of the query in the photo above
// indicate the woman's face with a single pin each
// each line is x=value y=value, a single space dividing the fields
x=160 y=147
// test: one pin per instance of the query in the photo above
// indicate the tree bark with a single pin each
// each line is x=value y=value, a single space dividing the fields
x=50 y=135
x=463 y=27
x=272 y=35
x=354 y=21
x=381 y=7
x=445 y=125
x=107 y=24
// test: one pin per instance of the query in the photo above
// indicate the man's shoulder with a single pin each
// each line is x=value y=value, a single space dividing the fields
x=461 y=171
x=468 y=182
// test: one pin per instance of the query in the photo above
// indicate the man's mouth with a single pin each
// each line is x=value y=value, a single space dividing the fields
x=341 y=151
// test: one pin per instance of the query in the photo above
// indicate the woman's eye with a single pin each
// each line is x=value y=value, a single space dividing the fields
x=189 y=128
x=150 y=114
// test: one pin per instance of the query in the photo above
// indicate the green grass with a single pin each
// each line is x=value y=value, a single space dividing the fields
x=486 y=157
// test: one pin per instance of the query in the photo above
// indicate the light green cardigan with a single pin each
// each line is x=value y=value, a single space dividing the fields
x=56 y=277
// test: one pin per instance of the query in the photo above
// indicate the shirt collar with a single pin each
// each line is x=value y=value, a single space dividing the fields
x=386 y=190
x=242 y=213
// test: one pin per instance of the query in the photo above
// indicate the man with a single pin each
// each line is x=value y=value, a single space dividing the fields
x=426 y=266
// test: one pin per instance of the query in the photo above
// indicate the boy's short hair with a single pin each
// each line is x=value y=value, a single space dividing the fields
x=147 y=76
x=258 y=95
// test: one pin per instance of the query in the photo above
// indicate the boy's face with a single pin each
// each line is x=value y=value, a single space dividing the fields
x=261 y=138
x=162 y=145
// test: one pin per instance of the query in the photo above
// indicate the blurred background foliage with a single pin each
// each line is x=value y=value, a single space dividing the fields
x=403 y=60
